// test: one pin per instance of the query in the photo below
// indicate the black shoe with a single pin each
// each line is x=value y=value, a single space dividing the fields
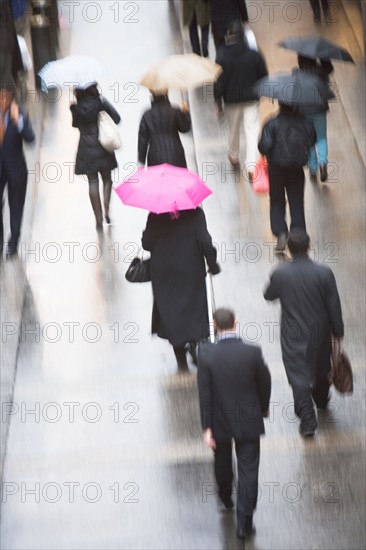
x=191 y=347
x=313 y=177
x=305 y=432
x=11 y=251
x=249 y=528
x=228 y=503
x=323 y=172
x=281 y=243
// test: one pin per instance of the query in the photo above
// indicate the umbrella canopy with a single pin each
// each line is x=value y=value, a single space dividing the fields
x=296 y=88
x=163 y=188
x=316 y=47
x=181 y=71
x=81 y=71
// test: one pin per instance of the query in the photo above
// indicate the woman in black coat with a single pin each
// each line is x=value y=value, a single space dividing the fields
x=159 y=139
x=91 y=157
x=178 y=248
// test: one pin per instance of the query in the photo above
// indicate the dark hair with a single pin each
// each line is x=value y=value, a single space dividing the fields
x=298 y=242
x=292 y=109
x=235 y=32
x=306 y=62
x=92 y=92
x=7 y=85
x=224 y=319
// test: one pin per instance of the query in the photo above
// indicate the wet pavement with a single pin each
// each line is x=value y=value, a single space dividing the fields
x=104 y=446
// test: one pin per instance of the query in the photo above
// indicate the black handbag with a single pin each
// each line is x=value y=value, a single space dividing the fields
x=138 y=271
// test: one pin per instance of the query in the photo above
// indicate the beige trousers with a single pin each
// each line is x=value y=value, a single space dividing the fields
x=249 y=114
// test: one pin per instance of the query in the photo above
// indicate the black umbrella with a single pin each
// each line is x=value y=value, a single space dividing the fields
x=294 y=88
x=316 y=47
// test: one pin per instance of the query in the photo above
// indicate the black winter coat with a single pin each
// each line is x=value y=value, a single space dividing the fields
x=242 y=68
x=223 y=12
x=178 y=248
x=159 y=139
x=234 y=386
x=91 y=156
x=277 y=145
x=311 y=312
x=320 y=72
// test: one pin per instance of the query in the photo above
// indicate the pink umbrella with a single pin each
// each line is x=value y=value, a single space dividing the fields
x=163 y=188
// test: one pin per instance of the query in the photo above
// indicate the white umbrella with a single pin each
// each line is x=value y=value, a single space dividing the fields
x=182 y=72
x=81 y=71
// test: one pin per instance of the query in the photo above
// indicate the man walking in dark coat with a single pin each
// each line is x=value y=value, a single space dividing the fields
x=242 y=68
x=14 y=128
x=224 y=12
x=286 y=140
x=234 y=387
x=311 y=315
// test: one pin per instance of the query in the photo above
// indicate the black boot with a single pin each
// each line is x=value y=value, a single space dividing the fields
x=180 y=354
x=191 y=347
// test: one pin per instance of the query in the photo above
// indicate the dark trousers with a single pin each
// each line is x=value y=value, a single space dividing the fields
x=17 y=187
x=315 y=5
x=304 y=398
x=290 y=181
x=247 y=454
x=194 y=37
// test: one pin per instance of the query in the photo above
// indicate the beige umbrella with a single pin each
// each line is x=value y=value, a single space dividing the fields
x=181 y=71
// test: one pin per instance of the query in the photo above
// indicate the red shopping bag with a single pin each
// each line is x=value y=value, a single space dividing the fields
x=260 y=176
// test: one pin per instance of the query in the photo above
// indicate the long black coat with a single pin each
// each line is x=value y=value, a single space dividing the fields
x=178 y=248
x=91 y=156
x=234 y=386
x=159 y=139
x=311 y=312
x=223 y=12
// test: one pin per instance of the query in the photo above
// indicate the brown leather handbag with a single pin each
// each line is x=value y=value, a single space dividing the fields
x=341 y=375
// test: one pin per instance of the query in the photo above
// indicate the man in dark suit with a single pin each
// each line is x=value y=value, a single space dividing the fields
x=311 y=315
x=234 y=387
x=14 y=128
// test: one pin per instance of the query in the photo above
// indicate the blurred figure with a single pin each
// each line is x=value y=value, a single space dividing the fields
x=159 y=140
x=196 y=13
x=315 y=6
x=317 y=113
x=286 y=140
x=178 y=247
x=10 y=56
x=14 y=128
x=242 y=68
x=234 y=386
x=91 y=157
x=311 y=314
x=223 y=13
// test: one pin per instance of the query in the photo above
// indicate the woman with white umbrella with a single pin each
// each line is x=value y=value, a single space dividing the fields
x=91 y=158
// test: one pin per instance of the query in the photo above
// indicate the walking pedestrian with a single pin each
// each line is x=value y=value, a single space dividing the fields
x=286 y=140
x=242 y=68
x=311 y=316
x=223 y=13
x=317 y=113
x=196 y=13
x=234 y=386
x=315 y=6
x=179 y=244
x=91 y=158
x=158 y=139
x=14 y=128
